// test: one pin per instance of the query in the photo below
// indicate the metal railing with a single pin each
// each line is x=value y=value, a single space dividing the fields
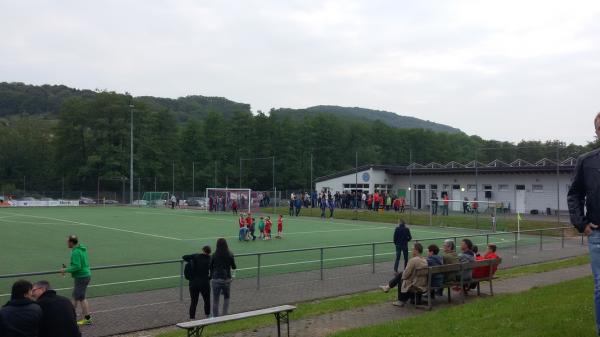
x=557 y=232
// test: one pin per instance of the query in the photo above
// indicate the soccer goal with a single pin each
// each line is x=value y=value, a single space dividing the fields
x=155 y=199
x=226 y=199
x=479 y=214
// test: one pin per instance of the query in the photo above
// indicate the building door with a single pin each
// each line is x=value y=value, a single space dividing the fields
x=456 y=206
x=520 y=198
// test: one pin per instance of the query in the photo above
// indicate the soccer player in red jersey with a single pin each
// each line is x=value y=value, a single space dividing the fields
x=268 y=225
x=279 y=226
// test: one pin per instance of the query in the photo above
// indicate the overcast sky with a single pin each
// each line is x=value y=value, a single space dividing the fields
x=504 y=69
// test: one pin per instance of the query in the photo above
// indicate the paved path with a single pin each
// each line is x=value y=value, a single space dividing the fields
x=160 y=308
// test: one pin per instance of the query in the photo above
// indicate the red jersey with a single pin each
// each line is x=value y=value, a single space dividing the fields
x=279 y=224
x=248 y=221
x=242 y=223
x=268 y=225
x=397 y=202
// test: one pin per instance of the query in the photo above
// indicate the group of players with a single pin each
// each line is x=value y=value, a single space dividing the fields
x=248 y=227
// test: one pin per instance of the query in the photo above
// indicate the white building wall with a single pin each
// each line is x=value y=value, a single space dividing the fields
x=538 y=200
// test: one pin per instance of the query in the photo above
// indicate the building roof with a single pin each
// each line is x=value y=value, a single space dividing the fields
x=497 y=166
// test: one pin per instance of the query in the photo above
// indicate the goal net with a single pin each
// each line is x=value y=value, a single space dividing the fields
x=479 y=214
x=226 y=199
x=155 y=199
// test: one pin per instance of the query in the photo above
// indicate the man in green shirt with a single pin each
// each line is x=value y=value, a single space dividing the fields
x=79 y=268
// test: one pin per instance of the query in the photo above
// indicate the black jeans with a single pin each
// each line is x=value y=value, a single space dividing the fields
x=197 y=289
x=399 y=251
x=405 y=297
x=395 y=281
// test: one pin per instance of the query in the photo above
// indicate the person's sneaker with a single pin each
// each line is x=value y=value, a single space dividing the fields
x=385 y=288
x=398 y=304
x=84 y=321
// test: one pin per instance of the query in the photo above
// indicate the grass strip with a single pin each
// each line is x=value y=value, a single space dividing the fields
x=564 y=309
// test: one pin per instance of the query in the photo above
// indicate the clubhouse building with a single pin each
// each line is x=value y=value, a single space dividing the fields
x=519 y=186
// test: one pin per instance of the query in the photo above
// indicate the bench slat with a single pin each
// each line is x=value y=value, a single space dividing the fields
x=234 y=317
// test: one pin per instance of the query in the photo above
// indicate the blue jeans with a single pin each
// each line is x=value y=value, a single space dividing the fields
x=219 y=287
x=594 y=248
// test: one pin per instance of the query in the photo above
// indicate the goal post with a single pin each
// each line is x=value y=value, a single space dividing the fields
x=154 y=199
x=224 y=199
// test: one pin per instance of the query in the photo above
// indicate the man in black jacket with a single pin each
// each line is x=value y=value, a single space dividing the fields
x=584 y=208
x=401 y=238
x=200 y=280
x=21 y=316
x=59 y=318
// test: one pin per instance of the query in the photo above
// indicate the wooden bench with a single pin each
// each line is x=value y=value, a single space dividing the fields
x=282 y=313
x=459 y=269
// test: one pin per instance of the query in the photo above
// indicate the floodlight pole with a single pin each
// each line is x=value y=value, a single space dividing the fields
x=476 y=188
x=131 y=106
x=173 y=177
x=193 y=178
x=410 y=185
x=558 y=184
x=240 y=172
x=274 y=188
x=355 y=185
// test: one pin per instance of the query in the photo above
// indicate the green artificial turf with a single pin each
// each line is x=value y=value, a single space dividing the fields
x=34 y=239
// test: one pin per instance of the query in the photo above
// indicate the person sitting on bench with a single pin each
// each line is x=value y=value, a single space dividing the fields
x=467 y=256
x=412 y=282
x=433 y=259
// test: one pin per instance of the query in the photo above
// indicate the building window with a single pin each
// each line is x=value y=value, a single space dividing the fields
x=456 y=187
x=433 y=186
x=446 y=187
x=520 y=187
x=487 y=187
x=471 y=188
x=537 y=188
x=503 y=187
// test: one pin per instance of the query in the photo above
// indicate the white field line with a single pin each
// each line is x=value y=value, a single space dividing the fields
x=103 y=227
x=295 y=233
x=239 y=269
x=32 y=223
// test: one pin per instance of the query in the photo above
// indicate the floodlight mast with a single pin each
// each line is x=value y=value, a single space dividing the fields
x=131 y=106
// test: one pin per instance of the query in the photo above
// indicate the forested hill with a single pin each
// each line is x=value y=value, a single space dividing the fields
x=389 y=118
x=18 y=99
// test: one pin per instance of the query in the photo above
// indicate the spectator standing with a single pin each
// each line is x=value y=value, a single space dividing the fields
x=298 y=205
x=388 y=202
x=363 y=199
x=58 y=314
x=434 y=203
x=234 y=207
x=323 y=205
x=401 y=238
x=173 y=201
x=446 y=204
x=584 y=208
x=79 y=268
x=21 y=316
x=200 y=280
x=331 y=204
x=221 y=264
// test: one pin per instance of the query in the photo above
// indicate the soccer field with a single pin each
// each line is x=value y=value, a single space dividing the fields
x=34 y=239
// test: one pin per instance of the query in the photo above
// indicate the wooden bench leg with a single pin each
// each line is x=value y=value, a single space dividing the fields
x=195 y=332
x=285 y=317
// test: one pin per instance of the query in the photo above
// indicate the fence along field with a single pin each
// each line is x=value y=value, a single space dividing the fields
x=34 y=240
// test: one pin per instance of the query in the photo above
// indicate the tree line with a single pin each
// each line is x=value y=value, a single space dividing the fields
x=89 y=140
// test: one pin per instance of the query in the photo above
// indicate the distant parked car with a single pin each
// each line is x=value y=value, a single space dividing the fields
x=140 y=202
x=196 y=202
x=87 y=201
x=46 y=199
x=110 y=202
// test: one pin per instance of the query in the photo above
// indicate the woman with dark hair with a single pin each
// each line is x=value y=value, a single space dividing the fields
x=221 y=264
x=199 y=280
